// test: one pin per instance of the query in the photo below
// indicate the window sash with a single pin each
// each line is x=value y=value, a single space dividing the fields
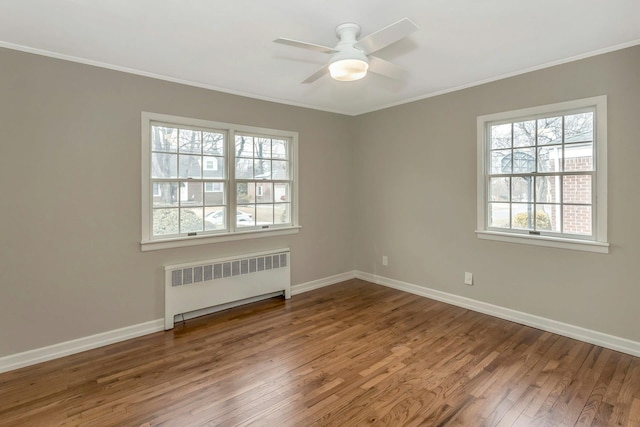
x=535 y=230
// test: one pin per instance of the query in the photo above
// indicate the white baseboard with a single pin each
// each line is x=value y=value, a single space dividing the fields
x=587 y=335
x=31 y=357
x=321 y=283
x=38 y=355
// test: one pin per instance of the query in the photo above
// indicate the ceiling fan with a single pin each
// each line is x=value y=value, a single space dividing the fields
x=351 y=58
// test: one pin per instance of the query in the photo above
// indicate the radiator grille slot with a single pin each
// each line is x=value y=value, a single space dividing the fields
x=187 y=276
x=176 y=278
x=209 y=272
x=197 y=274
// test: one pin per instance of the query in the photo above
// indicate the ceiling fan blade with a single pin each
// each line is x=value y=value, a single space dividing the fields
x=315 y=76
x=386 y=36
x=386 y=68
x=305 y=45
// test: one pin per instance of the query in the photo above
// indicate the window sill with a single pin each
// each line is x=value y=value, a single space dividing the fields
x=154 y=245
x=551 y=242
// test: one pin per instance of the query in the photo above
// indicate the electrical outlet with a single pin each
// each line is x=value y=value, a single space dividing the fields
x=468 y=278
x=385 y=260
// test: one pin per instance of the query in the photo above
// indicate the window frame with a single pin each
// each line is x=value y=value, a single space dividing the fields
x=597 y=241
x=150 y=242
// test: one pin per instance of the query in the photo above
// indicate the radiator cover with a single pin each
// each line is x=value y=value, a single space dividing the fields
x=202 y=284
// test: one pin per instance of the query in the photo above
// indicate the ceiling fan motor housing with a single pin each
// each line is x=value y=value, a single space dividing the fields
x=349 y=63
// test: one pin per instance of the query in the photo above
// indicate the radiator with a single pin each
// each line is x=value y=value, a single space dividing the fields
x=198 y=285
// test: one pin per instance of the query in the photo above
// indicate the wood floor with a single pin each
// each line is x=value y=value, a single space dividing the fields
x=349 y=354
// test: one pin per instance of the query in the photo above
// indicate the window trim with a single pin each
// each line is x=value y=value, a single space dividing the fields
x=598 y=242
x=149 y=243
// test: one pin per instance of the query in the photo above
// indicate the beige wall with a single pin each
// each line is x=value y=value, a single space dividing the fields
x=70 y=261
x=415 y=175
x=400 y=182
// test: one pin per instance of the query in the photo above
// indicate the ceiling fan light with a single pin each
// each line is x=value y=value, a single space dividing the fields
x=348 y=70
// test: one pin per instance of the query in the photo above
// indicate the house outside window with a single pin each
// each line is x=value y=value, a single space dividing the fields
x=208 y=181
x=213 y=187
x=542 y=175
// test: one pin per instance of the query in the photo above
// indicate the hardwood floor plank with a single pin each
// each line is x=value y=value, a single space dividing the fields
x=350 y=354
x=634 y=412
x=622 y=410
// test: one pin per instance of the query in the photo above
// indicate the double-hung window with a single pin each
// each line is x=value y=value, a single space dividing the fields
x=542 y=175
x=207 y=181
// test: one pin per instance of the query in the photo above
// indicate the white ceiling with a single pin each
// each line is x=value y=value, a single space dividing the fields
x=227 y=44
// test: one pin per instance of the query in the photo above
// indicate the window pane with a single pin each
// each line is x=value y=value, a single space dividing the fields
x=524 y=134
x=213 y=143
x=191 y=194
x=166 y=194
x=499 y=189
x=550 y=159
x=165 y=221
x=263 y=148
x=190 y=141
x=576 y=189
x=282 y=213
x=262 y=169
x=264 y=215
x=524 y=160
x=281 y=192
x=164 y=165
x=264 y=192
x=548 y=189
x=244 y=168
x=191 y=220
x=279 y=149
x=522 y=189
x=578 y=128
x=213 y=167
x=499 y=215
x=214 y=194
x=245 y=192
x=164 y=139
x=548 y=218
x=578 y=157
x=522 y=216
x=280 y=169
x=189 y=166
x=244 y=146
x=214 y=218
x=577 y=219
x=501 y=136
x=500 y=162
x=245 y=216
x=550 y=131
